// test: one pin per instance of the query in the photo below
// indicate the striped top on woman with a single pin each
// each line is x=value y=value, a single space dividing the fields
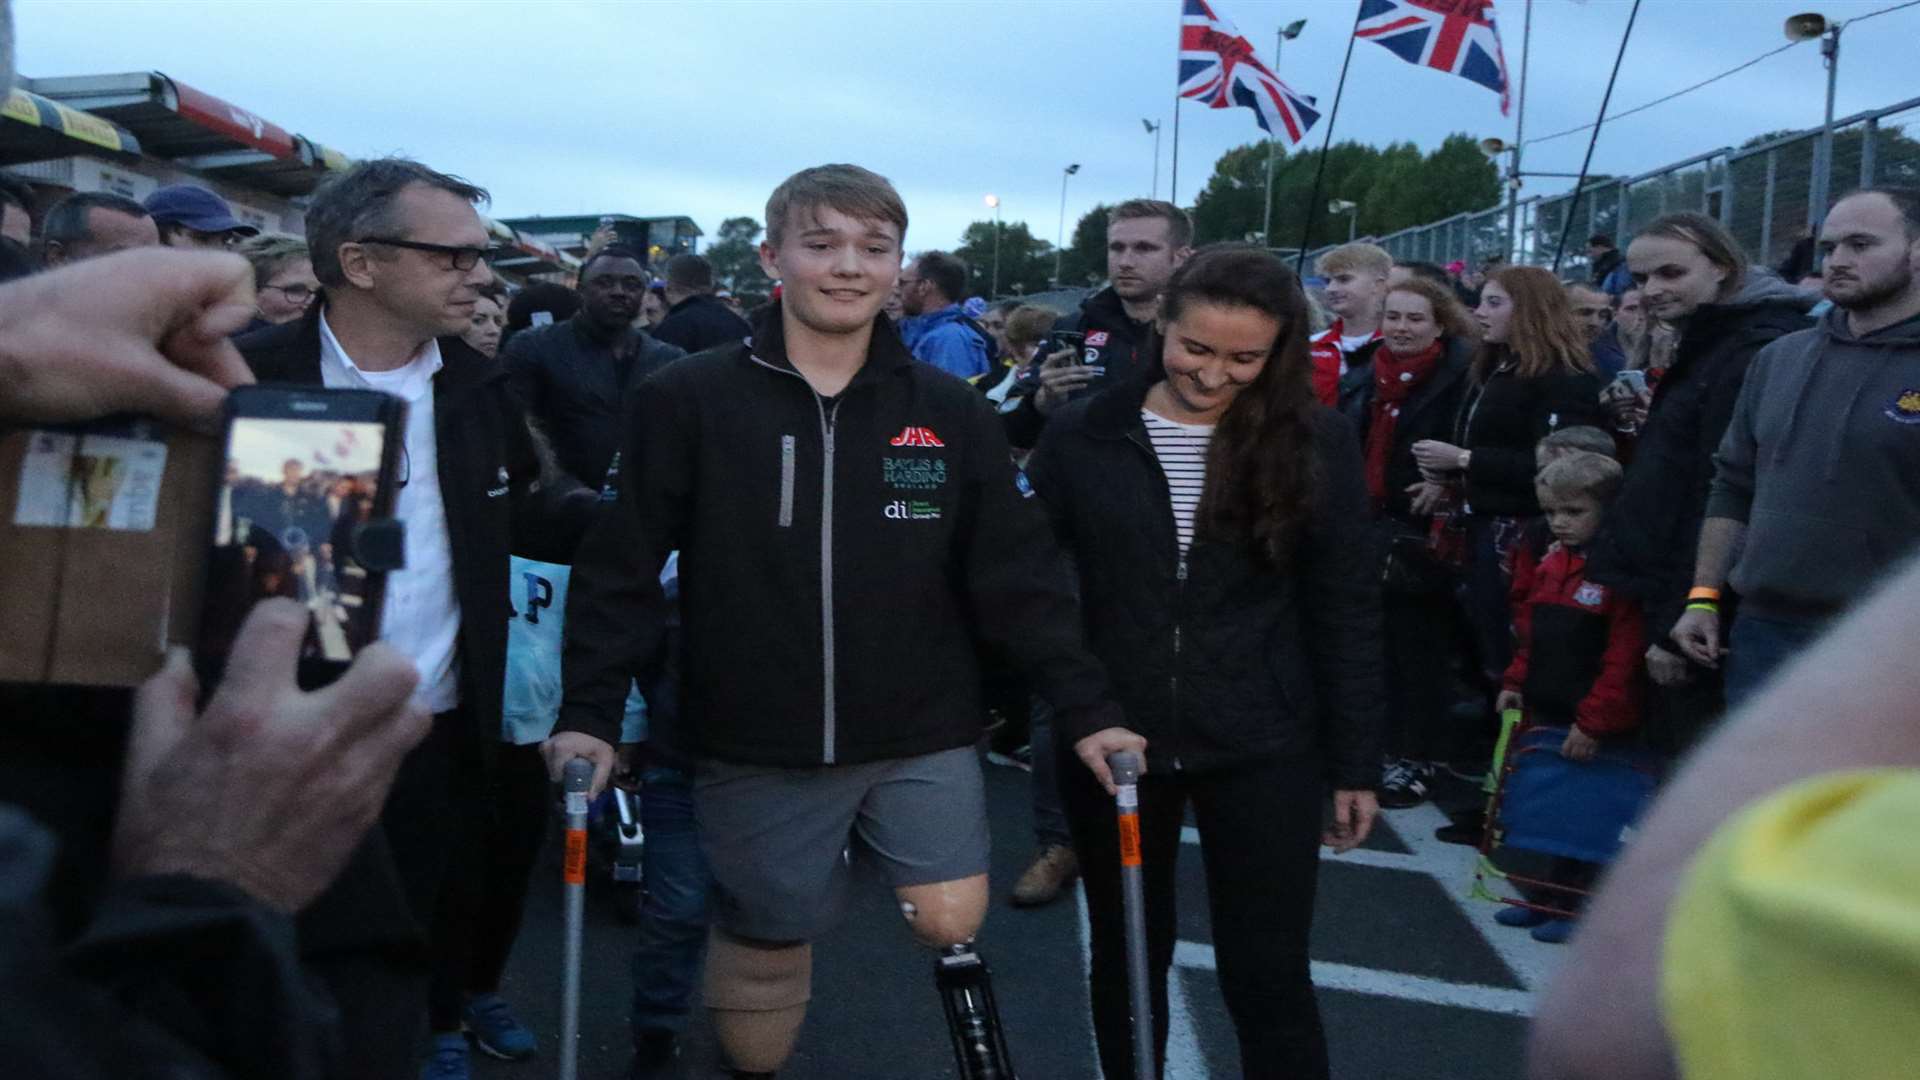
x=1182 y=450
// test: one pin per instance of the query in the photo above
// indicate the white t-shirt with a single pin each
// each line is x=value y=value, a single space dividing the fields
x=1350 y=342
x=422 y=614
x=1182 y=450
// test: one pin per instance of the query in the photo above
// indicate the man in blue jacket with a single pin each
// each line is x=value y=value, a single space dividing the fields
x=936 y=328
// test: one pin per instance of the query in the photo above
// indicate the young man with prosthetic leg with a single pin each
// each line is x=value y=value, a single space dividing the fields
x=850 y=532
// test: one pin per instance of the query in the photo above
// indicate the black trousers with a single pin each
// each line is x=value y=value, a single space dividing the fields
x=1422 y=639
x=1259 y=838
x=500 y=824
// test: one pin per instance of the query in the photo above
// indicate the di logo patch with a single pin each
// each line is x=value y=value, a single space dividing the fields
x=912 y=510
x=1905 y=408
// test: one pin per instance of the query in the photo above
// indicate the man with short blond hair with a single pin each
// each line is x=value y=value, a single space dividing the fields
x=830 y=497
x=1356 y=290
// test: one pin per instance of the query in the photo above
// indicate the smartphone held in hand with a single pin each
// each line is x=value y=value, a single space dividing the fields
x=304 y=510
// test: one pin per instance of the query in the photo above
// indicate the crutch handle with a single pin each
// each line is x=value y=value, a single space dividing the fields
x=577 y=776
x=1125 y=766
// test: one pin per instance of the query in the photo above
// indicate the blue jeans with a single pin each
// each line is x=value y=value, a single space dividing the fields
x=1759 y=646
x=1049 y=816
x=674 y=917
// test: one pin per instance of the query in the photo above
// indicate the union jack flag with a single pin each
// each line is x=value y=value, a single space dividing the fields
x=1218 y=67
x=1456 y=36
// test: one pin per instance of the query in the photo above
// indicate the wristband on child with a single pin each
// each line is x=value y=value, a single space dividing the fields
x=1701 y=592
x=1704 y=605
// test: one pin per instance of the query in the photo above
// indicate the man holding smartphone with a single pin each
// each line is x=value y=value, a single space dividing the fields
x=400 y=254
x=1147 y=239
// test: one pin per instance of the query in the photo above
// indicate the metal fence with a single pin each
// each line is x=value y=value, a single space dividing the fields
x=1762 y=194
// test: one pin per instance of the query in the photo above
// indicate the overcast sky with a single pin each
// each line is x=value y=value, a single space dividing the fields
x=701 y=108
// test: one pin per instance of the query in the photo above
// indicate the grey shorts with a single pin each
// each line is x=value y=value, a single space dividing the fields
x=778 y=839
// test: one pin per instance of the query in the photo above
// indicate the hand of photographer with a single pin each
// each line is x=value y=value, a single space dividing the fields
x=1061 y=374
x=271 y=788
x=137 y=331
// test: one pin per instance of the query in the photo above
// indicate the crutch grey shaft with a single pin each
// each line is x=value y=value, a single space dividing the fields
x=1125 y=767
x=575 y=781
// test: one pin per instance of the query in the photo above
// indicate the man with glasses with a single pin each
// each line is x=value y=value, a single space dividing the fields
x=399 y=252
x=193 y=217
x=283 y=279
x=573 y=375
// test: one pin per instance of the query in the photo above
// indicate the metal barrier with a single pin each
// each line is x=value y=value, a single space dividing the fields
x=1761 y=194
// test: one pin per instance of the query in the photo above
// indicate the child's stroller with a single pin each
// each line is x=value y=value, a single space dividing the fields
x=1544 y=809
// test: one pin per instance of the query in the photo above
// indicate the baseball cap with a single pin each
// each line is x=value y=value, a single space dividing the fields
x=196 y=208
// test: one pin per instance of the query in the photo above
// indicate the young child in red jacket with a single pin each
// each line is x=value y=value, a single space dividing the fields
x=1578 y=645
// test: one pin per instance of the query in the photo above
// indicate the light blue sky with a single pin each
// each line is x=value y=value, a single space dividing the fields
x=701 y=108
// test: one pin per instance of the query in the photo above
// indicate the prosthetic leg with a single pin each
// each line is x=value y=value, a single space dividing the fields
x=973 y=1017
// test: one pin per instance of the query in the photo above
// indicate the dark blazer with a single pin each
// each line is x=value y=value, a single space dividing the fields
x=1427 y=414
x=574 y=387
x=1218 y=657
x=701 y=322
x=489 y=483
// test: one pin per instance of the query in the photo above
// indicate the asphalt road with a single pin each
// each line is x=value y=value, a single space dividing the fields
x=1416 y=981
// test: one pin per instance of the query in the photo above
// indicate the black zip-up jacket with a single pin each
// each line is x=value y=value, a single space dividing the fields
x=1651 y=534
x=1503 y=418
x=699 y=323
x=841 y=562
x=1218 y=657
x=1428 y=413
x=1120 y=350
x=574 y=384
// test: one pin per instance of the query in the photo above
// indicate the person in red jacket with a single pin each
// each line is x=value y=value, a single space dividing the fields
x=1356 y=289
x=1578 y=645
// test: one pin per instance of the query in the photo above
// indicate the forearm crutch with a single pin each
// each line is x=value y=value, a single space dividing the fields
x=575 y=781
x=1125 y=767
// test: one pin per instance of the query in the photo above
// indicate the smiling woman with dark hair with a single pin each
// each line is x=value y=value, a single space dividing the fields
x=1214 y=510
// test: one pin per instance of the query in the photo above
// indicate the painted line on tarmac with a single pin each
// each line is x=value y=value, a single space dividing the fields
x=1388 y=984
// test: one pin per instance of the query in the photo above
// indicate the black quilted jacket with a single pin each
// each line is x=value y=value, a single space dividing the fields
x=1220 y=657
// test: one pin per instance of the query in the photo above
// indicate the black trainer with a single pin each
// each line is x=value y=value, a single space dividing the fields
x=1405 y=783
x=656 y=1056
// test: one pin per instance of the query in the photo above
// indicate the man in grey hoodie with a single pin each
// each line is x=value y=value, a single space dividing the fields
x=1816 y=487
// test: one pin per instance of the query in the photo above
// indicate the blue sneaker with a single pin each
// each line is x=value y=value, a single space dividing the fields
x=1554 y=932
x=496 y=1031
x=1522 y=917
x=449 y=1060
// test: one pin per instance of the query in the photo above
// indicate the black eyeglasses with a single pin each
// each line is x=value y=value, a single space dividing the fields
x=295 y=294
x=458 y=258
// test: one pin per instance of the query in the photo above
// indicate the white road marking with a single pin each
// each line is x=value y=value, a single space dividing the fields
x=1393 y=984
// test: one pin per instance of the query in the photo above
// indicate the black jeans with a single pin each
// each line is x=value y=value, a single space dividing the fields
x=1422 y=640
x=1259 y=838
x=501 y=823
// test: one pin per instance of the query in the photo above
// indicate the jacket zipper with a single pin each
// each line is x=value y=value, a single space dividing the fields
x=1179 y=610
x=830 y=718
x=829 y=715
x=1180 y=594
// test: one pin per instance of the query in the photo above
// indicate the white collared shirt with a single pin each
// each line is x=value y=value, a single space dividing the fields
x=422 y=613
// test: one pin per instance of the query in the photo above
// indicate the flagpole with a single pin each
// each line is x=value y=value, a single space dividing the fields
x=1519 y=128
x=1173 y=182
x=1320 y=172
x=1573 y=201
x=1266 y=205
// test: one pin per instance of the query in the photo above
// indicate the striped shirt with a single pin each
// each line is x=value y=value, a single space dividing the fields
x=1182 y=450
